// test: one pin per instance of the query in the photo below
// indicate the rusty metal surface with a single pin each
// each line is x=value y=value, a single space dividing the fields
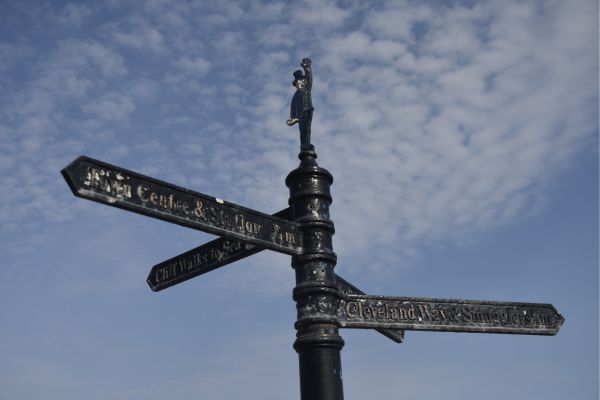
x=114 y=186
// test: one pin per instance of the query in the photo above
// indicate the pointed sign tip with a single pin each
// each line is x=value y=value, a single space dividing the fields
x=68 y=173
x=65 y=172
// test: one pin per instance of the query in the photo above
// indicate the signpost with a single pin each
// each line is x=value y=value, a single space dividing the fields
x=325 y=302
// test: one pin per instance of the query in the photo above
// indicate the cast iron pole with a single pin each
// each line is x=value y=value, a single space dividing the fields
x=318 y=342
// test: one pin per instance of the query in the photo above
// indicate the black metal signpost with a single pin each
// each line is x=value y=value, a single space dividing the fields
x=325 y=302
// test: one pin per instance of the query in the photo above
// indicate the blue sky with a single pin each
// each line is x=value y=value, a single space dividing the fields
x=462 y=136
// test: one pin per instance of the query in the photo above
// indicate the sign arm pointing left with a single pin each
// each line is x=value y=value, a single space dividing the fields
x=114 y=186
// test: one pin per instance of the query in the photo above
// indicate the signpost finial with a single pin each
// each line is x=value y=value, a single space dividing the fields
x=301 y=109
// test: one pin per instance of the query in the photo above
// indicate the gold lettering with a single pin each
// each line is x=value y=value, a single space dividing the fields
x=120 y=189
x=411 y=312
x=495 y=318
x=199 y=212
x=153 y=198
x=425 y=312
x=515 y=318
x=274 y=231
x=96 y=178
x=289 y=237
x=141 y=192
x=101 y=179
x=238 y=222
x=92 y=176
x=466 y=314
x=351 y=309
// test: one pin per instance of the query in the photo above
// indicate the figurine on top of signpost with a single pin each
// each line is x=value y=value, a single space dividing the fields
x=301 y=109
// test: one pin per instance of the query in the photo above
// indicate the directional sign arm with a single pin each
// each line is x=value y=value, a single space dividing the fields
x=114 y=186
x=202 y=259
x=413 y=313
x=346 y=288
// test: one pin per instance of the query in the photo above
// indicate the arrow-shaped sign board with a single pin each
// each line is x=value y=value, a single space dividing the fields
x=198 y=261
x=118 y=187
x=424 y=314
x=202 y=259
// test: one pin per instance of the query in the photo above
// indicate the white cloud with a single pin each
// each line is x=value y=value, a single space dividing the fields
x=73 y=15
x=230 y=43
x=359 y=47
x=267 y=12
x=143 y=90
x=450 y=120
x=111 y=106
x=323 y=14
x=193 y=65
x=397 y=21
x=467 y=127
x=137 y=33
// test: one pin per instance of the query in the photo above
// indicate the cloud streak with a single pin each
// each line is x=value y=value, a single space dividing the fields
x=436 y=122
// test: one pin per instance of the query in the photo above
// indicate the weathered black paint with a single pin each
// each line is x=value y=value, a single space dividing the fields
x=318 y=342
x=446 y=315
x=114 y=186
x=202 y=259
x=345 y=287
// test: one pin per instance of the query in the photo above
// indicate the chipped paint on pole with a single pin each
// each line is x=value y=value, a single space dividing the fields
x=318 y=342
